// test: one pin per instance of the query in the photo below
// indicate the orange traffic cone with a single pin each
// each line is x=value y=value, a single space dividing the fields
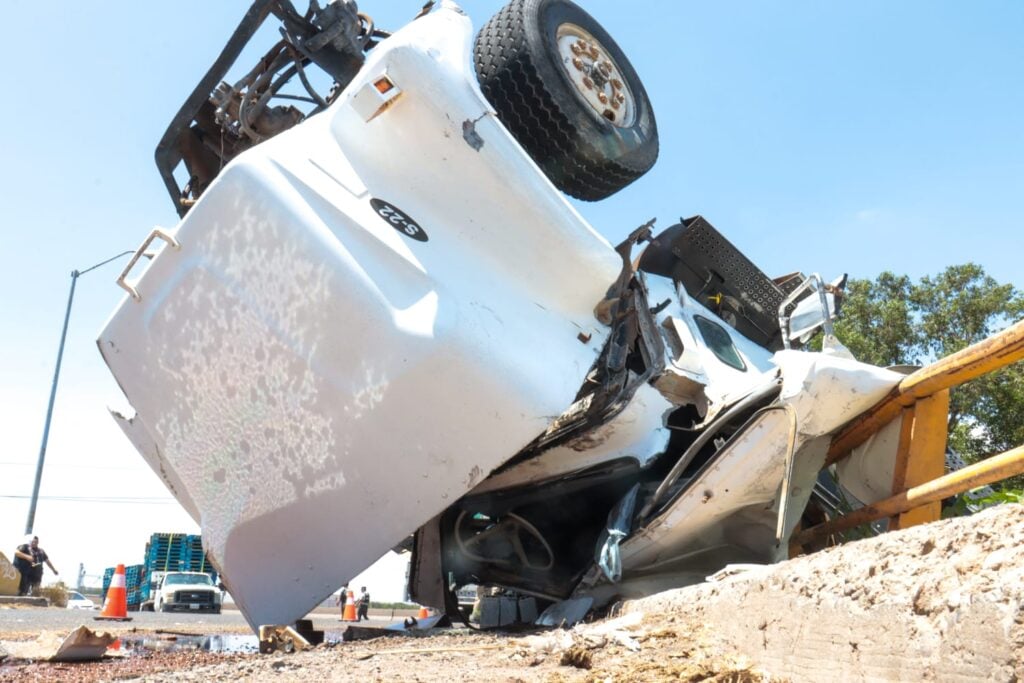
x=350 y=607
x=424 y=613
x=115 y=607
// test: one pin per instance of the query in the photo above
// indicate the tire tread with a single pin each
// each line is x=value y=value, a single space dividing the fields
x=511 y=82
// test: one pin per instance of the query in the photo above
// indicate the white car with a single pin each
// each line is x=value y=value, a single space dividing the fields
x=380 y=316
x=78 y=601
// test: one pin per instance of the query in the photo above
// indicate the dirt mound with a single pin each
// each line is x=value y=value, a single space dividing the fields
x=944 y=601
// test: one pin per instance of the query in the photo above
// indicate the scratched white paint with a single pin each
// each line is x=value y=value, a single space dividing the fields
x=307 y=372
x=277 y=443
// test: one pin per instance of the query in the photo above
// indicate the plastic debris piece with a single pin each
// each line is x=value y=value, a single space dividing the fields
x=566 y=613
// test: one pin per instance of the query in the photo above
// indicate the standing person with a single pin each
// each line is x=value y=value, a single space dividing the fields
x=342 y=599
x=364 y=605
x=23 y=561
x=39 y=557
x=29 y=559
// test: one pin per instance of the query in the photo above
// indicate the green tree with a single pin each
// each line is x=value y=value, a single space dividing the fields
x=877 y=324
x=894 y=321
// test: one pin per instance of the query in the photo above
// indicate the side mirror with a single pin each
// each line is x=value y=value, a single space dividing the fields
x=812 y=312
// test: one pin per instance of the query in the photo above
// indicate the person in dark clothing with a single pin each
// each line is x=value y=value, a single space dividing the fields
x=363 y=605
x=23 y=562
x=28 y=560
x=342 y=598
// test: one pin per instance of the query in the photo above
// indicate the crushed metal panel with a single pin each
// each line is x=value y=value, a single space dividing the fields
x=829 y=391
x=638 y=433
x=739 y=484
x=867 y=473
x=728 y=512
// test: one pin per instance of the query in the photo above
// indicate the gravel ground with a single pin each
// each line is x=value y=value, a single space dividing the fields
x=630 y=651
x=942 y=602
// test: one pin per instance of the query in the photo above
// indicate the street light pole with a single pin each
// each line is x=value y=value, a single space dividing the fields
x=53 y=389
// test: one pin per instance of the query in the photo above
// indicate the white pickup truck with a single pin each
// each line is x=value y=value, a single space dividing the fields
x=187 y=591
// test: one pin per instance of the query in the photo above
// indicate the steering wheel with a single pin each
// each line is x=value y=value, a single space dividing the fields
x=511 y=526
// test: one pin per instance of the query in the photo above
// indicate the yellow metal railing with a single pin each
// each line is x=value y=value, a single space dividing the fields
x=921 y=402
x=988 y=471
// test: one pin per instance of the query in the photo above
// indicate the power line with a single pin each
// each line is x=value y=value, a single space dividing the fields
x=100 y=499
x=73 y=466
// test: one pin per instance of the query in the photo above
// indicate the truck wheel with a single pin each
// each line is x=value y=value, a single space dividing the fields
x=568 y=95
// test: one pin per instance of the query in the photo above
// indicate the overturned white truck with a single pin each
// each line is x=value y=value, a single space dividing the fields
x=379 y=317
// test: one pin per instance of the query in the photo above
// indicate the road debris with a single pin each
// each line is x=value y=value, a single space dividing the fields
x=82 y=644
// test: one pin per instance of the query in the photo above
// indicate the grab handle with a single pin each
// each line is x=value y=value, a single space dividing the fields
x=139 y=253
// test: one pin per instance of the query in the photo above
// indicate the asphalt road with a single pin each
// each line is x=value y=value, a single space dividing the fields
x=25 y=621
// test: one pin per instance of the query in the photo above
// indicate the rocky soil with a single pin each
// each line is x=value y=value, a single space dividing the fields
x=941 y=602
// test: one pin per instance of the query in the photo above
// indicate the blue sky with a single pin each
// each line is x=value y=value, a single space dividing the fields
x=830 y=137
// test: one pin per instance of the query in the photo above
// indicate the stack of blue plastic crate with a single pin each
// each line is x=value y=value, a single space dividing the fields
x=134 y=576
x=167 y=552
x=108 y=573
x=195 y=558
x=164 y=553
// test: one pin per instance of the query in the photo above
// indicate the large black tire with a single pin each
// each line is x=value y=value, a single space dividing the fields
x=529 y=84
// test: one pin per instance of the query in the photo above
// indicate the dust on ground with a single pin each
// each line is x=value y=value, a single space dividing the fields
x=943 y=601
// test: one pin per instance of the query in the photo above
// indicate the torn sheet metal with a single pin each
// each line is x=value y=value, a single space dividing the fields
x=829 y=391
x=729 y=512
x=566 y=613
x=637 y=433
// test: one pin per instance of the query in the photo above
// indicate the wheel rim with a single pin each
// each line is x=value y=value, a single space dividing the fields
x=595 y=75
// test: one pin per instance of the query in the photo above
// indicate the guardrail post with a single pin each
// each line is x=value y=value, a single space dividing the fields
x=924 y=456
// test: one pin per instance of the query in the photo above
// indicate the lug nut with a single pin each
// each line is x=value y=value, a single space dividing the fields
x=602 y=97
x=606 y=67
x=617 y=84
x=578 y=63
x=620 y=98
x=589 y=84
x=579 y=47
x=615 y=104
